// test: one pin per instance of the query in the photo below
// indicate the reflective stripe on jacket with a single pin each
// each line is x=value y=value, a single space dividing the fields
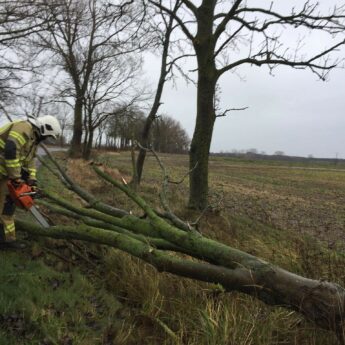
x=17 y=149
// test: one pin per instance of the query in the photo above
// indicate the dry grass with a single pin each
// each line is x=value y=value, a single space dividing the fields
x=275 y=212
x=82 y=173
x=303 y=199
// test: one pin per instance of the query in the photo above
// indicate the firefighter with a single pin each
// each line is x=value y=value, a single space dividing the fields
x=18 y=146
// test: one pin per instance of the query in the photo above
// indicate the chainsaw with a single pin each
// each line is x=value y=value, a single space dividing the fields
x=23 y=196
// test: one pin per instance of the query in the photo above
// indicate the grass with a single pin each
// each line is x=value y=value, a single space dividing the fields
x=42 y=301
x=265 y=211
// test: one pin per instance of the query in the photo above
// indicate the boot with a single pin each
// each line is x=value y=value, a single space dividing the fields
x=9 y=244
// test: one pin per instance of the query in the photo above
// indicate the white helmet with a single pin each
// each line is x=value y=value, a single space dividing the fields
x=48 y=125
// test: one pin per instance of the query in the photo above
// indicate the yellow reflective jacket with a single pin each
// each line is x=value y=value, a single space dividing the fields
x=17 y=149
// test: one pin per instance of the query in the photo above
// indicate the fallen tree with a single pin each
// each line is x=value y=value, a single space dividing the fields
x=158 y=239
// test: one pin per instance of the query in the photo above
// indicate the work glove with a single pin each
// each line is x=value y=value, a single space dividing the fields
x=17 y=182
x=33 y=184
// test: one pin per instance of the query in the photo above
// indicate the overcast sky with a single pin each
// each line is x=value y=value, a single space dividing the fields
x=291 y=111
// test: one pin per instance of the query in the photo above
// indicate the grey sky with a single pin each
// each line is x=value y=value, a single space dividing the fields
x=293 y=111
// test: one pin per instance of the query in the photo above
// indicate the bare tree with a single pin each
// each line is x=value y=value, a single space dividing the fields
x=164 y=40
x=19 y=18
x=168 y=136
x=18 y=21
x=253 y=150
x=112 y=83
x=228 y=35
x=125 y=126
x=85 y=34
x=63 y=113
x=279 y=153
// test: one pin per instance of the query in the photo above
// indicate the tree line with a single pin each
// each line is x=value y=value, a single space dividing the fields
x=124 y=131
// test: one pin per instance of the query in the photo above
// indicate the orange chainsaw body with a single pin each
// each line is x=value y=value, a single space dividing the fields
x=21 y=195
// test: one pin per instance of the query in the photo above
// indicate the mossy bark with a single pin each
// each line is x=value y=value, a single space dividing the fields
x=320 y=302
x=156 y=241
x=83 y=193
x=204 y=46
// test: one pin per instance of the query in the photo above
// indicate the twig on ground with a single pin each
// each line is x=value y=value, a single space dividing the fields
x=185 y=175
x=212 y=206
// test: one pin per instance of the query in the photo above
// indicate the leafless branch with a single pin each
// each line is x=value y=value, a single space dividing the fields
x=6 y=113
x=222 y=26
x=229 y=39
x=224 y=113
x=182 y=24
x=191 y=6
x=163 y=194
x=306 y=17
x=185 y=176
x=210 y=206
x=273 y=59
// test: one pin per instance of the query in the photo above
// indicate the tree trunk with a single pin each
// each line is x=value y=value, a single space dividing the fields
x=201 y=142
x=76 y=144
x=100 y=140
x=153 y=113
x=145 y=143
x=86 y=140
x=62 y=138
x=204 y=46
x=88 y=146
